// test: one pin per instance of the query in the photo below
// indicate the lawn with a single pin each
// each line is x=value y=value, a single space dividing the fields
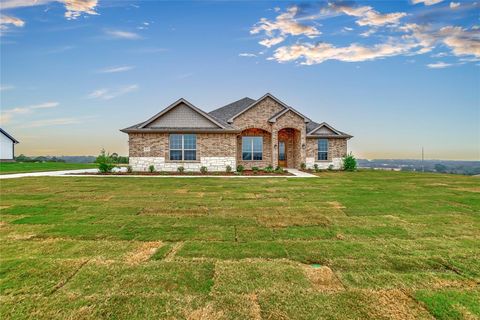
x=362 y=245
x=20 y=167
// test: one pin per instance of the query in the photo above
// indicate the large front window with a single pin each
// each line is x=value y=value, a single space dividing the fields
x=183 y=147
x=252 y=148
x=322 y=149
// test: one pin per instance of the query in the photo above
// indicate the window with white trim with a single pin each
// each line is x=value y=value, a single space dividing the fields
x=183 y=147
x=322 y=149
x=252 y=148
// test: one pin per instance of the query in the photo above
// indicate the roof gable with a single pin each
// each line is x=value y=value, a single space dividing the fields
x=5 y=133
x=268 y=95
x=182 y=114
x=325 y=130
x=284 y=111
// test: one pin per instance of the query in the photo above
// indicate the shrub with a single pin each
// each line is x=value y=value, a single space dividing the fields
x=268 y=169
x=129 y=169
x=303 y=166
x=255 y=169
x=228 y=169
x=349 y=163
x=151 y=168
x=330 y=167
x=240 y=168
x=203 y=169
x=280 y=170
x=105 y=162
x=181 y=169
x=316 y=168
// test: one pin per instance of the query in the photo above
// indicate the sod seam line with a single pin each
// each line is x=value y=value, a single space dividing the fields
x=61 y=284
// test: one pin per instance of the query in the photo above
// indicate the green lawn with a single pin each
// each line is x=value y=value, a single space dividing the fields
x=19 y=167
x=363 y=245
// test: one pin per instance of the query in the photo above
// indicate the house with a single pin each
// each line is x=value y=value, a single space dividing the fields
x=7 y=146
x=247 y=132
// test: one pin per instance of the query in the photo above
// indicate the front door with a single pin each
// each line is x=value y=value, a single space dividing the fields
x=282 y=154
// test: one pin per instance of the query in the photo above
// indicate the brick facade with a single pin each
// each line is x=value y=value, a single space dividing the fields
x=267 y=148
x=216 y=150
x=337 y=149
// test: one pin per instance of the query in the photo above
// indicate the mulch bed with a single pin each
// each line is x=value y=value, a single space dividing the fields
x=216 y=173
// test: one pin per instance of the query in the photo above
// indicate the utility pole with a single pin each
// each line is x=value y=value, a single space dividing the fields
x=423 y=167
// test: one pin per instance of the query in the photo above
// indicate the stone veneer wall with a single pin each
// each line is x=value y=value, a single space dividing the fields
x=214 y=151
x=337 y=149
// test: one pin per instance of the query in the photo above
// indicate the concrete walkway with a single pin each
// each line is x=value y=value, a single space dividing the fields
x=77 y=173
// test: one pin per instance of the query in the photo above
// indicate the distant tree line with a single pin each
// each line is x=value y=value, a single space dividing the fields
x=24 y=158
x=114 y=158
x=440 y=166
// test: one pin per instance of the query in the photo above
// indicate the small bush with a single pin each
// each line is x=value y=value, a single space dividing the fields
x=280 y=170
x=303 y=166
x=255 y=169
x=240 y=168
x=228 y=169
x=151 y=168
x=181 y=169
x=268 y=169
x=203 y=169
x=330 y=167
x=316 y=168
x=129 y=169
x=105 y=162
x=349 y=163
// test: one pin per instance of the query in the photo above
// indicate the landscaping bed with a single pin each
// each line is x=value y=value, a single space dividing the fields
x=213 y=173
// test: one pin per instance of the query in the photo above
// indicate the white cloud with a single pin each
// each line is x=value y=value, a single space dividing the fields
x=107 y=94
x=116 y=69
x=51 y=122
x=426 y=2
x=284 y=24
x=75 y=8
x=248 y=55
x=271 y=41
x=6 y=87
x=439 y=65
x=347 y=29
x=7 y=21
x=370 y=17
x=321 y=52
x=8 y=115
x=454 y=5
x=119 y=34
x=461 y=41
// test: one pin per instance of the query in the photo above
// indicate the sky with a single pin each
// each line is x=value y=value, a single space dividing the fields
x=397 y=75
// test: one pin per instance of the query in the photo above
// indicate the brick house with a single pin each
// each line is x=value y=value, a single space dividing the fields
x=252 y=133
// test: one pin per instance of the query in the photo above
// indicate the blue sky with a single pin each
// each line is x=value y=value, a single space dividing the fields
x=396 y=75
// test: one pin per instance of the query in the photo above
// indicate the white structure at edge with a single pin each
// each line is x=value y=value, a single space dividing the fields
x=336 y=163
x=212 y=164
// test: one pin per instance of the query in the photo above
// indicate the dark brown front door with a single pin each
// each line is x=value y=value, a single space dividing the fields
x=282 y=154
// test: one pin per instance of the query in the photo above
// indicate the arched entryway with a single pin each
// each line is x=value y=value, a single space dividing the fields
x=289 y=148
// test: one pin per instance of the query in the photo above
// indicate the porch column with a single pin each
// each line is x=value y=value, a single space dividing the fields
x=274 y=149
x=303 y=147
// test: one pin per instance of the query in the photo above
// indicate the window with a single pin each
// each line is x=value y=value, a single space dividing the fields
x=322 y=149
x=183 y=147
x=252 y=148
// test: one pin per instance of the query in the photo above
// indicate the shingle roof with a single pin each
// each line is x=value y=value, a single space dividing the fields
x=223 y=114
x=226 y=112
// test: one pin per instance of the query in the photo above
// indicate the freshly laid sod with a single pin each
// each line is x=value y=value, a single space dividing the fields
x=20 y=167
x=361 y=245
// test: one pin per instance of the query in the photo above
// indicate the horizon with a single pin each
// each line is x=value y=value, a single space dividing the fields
x=398 y=75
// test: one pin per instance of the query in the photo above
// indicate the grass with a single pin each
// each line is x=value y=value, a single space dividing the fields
x=21 y=167
x=362 y=245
